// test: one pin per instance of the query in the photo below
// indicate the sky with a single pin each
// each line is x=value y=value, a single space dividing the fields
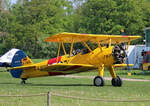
x=13 y=1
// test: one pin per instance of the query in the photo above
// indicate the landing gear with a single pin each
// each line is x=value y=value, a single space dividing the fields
x=98 y=81
x=23 y=81
x=116 y=81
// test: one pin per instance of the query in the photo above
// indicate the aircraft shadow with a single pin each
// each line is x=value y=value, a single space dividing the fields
x=9 y=83
x=59 y=84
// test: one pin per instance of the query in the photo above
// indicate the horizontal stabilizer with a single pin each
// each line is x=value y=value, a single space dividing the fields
x=23 y=67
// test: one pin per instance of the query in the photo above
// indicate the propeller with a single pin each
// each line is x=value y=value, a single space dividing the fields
x=119 y=53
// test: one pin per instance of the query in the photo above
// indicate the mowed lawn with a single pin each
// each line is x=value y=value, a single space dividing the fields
x=130 y=94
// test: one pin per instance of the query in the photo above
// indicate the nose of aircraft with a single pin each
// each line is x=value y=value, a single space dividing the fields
x=119 y=54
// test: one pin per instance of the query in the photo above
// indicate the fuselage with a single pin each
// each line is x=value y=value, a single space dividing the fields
x=96 y=57
x=100 y=56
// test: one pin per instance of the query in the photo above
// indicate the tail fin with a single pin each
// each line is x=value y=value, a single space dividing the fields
x=19 y=59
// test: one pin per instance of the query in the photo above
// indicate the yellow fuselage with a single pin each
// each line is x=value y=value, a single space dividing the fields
x=96 y=57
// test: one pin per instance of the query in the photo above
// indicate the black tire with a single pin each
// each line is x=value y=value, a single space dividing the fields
x=117 y=81
x=98 y=81
x=113 y=82
x=23 y=82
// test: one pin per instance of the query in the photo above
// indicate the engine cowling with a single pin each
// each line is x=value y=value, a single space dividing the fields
x=119 y=54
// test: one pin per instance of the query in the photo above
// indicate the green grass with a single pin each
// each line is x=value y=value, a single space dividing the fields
x=78 y=87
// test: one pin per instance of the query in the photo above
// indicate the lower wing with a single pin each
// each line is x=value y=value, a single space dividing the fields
x=63 y=68
x=68 y=68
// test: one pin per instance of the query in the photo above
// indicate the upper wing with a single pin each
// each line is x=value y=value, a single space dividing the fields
x=77 y=37
x=23 y=67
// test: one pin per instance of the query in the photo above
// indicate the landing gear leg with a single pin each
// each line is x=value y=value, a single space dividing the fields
x=116 y=80
x=99 y=80
x=23 y=81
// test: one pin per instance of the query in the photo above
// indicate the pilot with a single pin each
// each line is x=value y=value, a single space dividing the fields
x=75 y=52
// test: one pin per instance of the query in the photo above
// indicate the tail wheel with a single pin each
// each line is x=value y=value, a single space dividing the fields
x=23 y=81
x=117 y=81
x=98 y=81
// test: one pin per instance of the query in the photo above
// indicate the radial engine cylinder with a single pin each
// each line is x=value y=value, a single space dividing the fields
x=119 y=54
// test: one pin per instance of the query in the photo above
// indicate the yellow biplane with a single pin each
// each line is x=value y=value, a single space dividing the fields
x=110 y=55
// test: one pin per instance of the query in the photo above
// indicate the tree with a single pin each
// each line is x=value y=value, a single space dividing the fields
x=31 y=19
x=110 y=16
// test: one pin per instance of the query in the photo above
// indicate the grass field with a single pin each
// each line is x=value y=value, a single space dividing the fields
x=77 y=87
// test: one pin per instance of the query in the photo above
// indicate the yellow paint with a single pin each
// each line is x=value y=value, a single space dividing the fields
x=145 y=66
x=71 y=47
x=58 y=51
x=129 y=74
x=99 y=46
x=67 y=38
x=26 y=61
x=96 y=57
x=109 y=42
x=87 y=46
x=101 y=70
x=64 y=48
x=35 y=72
x=128 y=44
x=112 y=72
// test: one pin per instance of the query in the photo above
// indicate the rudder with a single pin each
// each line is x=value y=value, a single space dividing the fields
x=19 y=59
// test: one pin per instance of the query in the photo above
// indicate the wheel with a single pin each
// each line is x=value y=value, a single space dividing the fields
x=117 y=81
x=98 y=81
x=23 y=82
x=113 y=81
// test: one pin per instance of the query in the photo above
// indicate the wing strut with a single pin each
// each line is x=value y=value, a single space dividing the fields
x=128 y=67
x=86 y=45
x=128 y=44
x=63 y=48
x=58 y=52
x=71 y=47
x=109 y=42
x=99 y=46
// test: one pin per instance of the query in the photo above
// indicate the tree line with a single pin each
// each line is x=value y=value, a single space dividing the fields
x=26 y=23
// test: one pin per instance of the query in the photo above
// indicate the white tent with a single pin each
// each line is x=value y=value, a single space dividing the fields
x=134 y=54
x=7 y=57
